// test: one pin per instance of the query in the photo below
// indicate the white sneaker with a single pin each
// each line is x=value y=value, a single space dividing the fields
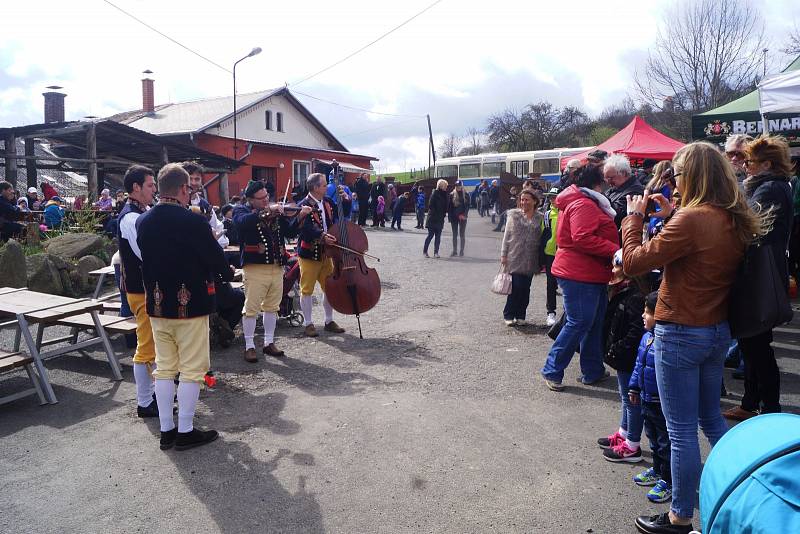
x=551 y=319
x=510 y=322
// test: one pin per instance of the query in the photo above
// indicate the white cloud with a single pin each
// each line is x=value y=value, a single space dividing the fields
x=459 y=62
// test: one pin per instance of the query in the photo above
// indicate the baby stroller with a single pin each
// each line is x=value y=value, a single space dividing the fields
x=290 y=303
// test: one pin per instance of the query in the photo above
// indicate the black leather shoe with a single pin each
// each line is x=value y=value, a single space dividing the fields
x=195 y=438
x=148 y=411
x=168 y=439
x=660 y=524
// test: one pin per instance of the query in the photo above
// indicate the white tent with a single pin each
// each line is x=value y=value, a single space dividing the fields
x=780 y=93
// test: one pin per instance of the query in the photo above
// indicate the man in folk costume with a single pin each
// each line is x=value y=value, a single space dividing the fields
x=263 y=254
x=141 y=187
x=180 y=261
x=315 y=267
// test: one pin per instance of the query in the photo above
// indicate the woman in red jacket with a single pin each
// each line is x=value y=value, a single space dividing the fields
x=587 y=240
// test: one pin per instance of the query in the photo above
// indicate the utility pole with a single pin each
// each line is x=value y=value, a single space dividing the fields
x=433 y=149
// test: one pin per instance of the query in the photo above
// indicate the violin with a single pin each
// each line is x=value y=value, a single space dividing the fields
x=276 y=209
x=353 y=288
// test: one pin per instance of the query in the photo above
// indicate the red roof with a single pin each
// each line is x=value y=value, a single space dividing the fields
x=638 y=140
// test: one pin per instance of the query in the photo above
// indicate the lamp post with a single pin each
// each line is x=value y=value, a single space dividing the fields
x=254 y=52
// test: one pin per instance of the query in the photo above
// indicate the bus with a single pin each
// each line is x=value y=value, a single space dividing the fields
x=472 y=169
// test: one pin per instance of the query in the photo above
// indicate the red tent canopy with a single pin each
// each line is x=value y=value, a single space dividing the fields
x=638 y=140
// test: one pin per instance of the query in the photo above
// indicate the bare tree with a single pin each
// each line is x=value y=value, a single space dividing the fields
x=474 y=140
x=508 y=132
x=450 y=146
x=706 y=53
x=793 y=42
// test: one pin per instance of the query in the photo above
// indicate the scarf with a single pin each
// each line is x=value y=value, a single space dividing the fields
x=751 y=183
x=601 y=200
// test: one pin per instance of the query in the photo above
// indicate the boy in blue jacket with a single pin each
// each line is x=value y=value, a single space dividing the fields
x=643 y=389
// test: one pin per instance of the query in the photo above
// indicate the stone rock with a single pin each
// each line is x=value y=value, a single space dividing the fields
x=12 y=265
x=66 y=283
x=43 y=276
x=85 y=265
x=74 y=246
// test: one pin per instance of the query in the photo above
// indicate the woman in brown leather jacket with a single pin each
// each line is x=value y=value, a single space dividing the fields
x=699 y=248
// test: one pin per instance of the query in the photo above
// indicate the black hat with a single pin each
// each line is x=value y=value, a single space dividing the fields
x=597 y=154
x=253 y=187
x=649 y=163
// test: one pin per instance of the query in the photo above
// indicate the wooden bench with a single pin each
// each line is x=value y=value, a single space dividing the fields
x=112 y=324
x=10 y=361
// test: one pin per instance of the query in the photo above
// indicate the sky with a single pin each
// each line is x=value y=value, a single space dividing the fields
x=460 y=61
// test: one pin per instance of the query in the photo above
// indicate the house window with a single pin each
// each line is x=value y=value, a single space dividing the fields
x=301 y=171
x=279 y=121
x=268 y=120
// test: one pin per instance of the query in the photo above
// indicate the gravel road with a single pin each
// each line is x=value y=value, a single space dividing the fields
x=437 y=421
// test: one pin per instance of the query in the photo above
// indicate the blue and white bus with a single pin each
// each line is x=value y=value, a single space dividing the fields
x=472 y=169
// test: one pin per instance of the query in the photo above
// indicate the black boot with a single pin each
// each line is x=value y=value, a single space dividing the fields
x=195 y=438
x=168 y=439
x=150 y=410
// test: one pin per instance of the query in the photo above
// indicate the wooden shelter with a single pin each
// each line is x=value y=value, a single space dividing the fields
x=97 y=148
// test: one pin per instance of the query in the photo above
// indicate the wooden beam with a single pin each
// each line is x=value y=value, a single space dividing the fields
x=106 y=161
x=30 y=164
x=91 y=155
x=51 y=132
x=223 y=188
x=11 y=163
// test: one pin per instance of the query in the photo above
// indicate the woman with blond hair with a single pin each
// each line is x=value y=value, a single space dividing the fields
x=437 y=208
x=700 y=249
x=769 y=169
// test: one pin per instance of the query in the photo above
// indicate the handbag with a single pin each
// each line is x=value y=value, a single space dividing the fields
x=501 y=283
x=758 y=299
x=556 y=328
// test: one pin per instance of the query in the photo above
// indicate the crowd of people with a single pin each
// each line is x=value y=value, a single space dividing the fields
x=645 y=262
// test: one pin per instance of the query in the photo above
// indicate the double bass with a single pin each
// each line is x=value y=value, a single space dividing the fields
x=354 y=287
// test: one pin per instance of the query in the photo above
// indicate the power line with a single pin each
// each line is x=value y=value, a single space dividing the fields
x=355 y=108
x=198 y=54
x=351 y=134
x=366 y=45
x=165 y=36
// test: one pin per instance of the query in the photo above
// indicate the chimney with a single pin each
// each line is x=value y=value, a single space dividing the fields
x=53 y=104
x=148 y=93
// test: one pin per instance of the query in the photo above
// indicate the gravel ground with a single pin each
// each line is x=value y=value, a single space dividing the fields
x=437 y=421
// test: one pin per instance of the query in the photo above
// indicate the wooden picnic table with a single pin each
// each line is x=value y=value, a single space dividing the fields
x=101 y=274
x=31 y=307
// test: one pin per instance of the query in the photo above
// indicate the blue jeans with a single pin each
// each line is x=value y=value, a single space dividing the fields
x=689 y=362
x=585 y=306
x=631 y=419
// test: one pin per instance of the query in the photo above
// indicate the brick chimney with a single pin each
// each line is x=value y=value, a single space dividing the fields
x=148 y=93
x=53 y=104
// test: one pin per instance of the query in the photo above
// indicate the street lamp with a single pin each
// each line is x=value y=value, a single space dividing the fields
x=254 y=52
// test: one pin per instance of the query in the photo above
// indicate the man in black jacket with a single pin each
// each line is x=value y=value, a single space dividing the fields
x=617 y=173
x=362 y=188
x=180 y=262
x=141 y=187
x=378 y=190
x=9 y=212
x=262 y=257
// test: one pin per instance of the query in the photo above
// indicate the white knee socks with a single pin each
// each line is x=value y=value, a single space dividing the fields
x=249 y=328
x=144 y=385
x=270 y=319
x=165 y=393
x=328 y=309
x=188 y=393
x=306 y=305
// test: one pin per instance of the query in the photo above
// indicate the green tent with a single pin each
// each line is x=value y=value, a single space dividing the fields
x=742 y=116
